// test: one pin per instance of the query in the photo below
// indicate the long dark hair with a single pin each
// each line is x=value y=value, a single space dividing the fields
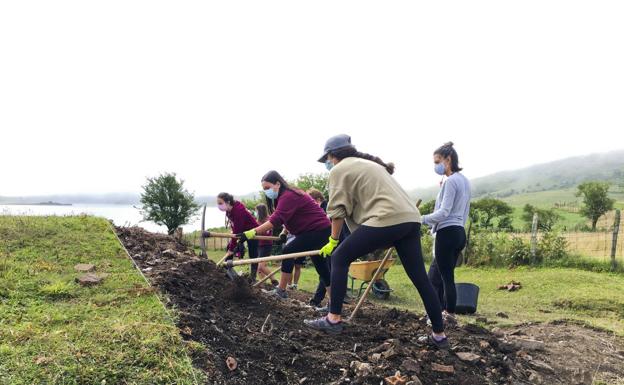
x=262 y=211
x=351 y=151
x=447 y=150
x=273 y=177
x=227 y=198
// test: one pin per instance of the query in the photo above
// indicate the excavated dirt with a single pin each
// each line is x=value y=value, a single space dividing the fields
x=265 y=342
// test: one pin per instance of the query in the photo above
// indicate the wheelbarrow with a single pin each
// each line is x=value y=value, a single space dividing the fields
x=365 y=270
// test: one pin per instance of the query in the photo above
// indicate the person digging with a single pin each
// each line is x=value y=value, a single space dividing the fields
x=379 y=212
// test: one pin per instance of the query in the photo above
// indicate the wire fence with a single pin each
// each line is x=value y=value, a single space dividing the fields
x=606 y=243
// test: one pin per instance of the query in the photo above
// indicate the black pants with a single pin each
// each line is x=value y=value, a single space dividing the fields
x=311 y=240
x=405 y=237
x=265 y=250
x=449 y=243
x=321 y=290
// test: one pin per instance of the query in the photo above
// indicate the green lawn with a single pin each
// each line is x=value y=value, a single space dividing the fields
x=547 y=294
x=53 y=331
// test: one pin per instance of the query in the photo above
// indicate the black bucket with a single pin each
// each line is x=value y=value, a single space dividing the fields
x=467 y=298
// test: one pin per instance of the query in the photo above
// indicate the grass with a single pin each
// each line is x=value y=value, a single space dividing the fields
x=53 y=331
x=548 y=294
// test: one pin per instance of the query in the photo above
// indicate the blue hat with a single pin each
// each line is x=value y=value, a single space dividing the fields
x=335 y=143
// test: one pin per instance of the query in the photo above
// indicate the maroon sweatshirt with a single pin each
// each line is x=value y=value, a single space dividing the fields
x=299 y=213
x=241 y=220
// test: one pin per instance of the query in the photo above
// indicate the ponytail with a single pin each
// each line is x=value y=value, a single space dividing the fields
x=447 y=150
x=352 y=152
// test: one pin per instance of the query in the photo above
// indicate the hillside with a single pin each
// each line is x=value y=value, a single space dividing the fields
x=560 y=176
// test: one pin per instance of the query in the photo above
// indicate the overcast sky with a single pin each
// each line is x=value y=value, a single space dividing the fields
x=95 y=96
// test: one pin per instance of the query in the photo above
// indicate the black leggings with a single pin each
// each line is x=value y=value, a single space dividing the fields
x=311 y=240
x=449 y=243
x=405 y=237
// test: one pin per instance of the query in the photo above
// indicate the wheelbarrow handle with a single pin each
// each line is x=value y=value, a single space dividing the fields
x=209 y=234
x=272 y=258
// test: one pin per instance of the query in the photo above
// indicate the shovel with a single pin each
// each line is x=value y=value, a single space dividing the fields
x=231 y=273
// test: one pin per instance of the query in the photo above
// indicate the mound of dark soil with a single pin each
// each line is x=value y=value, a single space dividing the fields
x=270 y=345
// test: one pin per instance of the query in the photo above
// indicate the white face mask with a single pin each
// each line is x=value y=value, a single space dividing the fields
x=222 y=206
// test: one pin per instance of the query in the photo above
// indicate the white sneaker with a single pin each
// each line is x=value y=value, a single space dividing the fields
x=292 y=287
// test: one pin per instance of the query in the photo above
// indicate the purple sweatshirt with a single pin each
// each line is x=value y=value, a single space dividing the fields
x=241 y=220
x=299 y=213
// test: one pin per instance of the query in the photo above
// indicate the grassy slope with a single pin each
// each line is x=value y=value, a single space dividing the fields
x=548 y=294
x=54 y=331
x=547 y=199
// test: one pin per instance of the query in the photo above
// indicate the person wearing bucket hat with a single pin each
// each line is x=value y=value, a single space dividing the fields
x=379 y=213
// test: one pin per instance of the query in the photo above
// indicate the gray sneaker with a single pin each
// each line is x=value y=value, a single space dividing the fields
x=277 y=292
x=322 y=324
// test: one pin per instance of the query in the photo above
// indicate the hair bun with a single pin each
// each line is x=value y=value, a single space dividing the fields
x=448 y=144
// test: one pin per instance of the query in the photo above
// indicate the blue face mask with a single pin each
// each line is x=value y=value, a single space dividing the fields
x=270 y=193
x=328 y=165
x=439 y=168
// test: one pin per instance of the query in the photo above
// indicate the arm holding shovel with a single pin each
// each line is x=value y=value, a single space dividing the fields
x=251 y=234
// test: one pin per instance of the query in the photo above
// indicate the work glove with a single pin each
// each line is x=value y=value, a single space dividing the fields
x=247 y=235
x=329 y=247
x=282 y=239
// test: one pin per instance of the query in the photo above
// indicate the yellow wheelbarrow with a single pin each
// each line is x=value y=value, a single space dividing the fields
x=364 y=271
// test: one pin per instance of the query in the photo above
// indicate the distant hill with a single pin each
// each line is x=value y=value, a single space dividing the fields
x=564 y=174
x=556 y=179
x=110 y=198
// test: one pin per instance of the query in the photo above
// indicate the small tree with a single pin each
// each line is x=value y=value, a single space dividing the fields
x=547 y=217
x=485 y=210
x=317 y=181
x=596 y=201
x=166 y=202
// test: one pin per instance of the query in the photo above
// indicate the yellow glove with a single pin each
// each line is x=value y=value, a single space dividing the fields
x=329 y=247
x=247 y=235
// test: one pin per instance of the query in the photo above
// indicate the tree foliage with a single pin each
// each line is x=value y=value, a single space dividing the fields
x=596 y=201
x=166 y=202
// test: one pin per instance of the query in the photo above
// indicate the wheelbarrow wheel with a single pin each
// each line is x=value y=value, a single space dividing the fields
x=381 y=289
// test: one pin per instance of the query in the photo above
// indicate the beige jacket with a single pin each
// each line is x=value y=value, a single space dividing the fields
x=364 y=193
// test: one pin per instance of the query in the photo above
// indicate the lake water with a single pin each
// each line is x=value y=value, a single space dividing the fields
x=122 y=215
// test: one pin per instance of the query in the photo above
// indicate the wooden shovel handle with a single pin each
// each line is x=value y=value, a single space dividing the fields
x=271 y=274
x=272 y=258
x=228 y=235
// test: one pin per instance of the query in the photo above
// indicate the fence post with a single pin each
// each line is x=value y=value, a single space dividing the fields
x=534 y=238
x=616 y=230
